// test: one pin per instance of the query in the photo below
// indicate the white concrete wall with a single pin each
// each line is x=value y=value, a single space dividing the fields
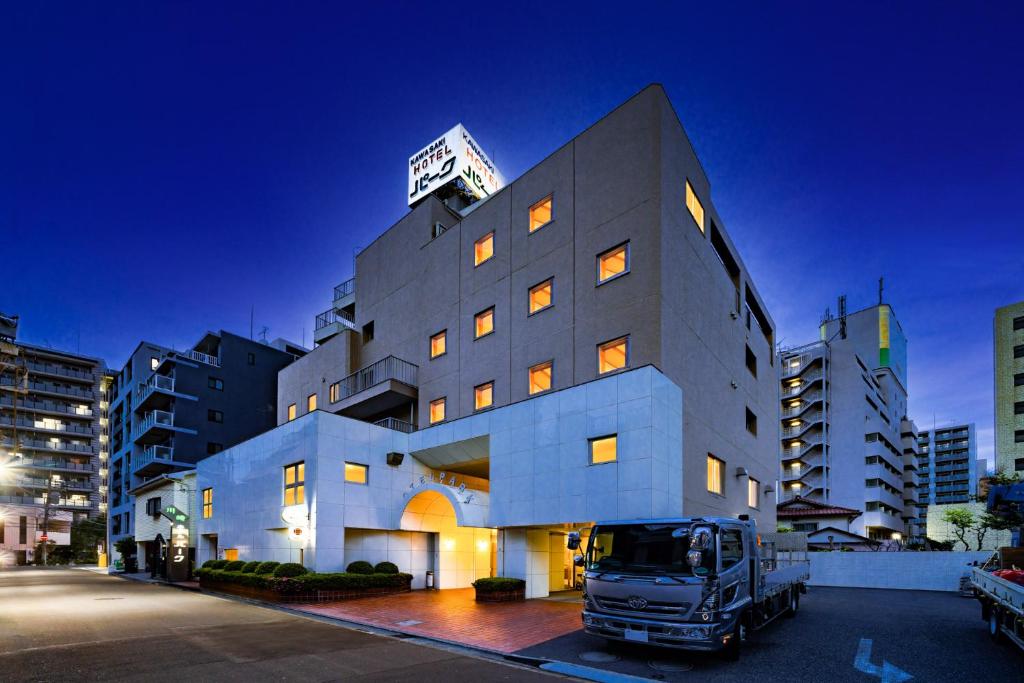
x=929 y=571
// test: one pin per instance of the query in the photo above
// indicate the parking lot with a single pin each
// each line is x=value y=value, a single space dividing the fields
x=930 y=636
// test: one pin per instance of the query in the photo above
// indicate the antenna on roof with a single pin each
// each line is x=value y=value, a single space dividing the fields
x=881 y=286
x=842 y=316
x=263 y=333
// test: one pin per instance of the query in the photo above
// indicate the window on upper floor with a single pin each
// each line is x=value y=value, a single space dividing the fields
x=695 y=207
x=295 y=484
x=213 y=448
x=613 y=355
x=753 y=493
x=1018 y=351
x=1018 y=323
x=483 y=323
x=604 y=449
x=751 y=422
x=483 y=396
x=716 y=475
x=483 y=249
x=251 y=358
x=751 y=362
x=1018 y=379
x=215 y=415
x=215 y=383
x=540 y=377
x=439 y=344
x=334 y=392
x=356 y=473
x=541 y=296
x=207 y=503
x=368 y=332
x=291 y=412
x=154 y=362
x=1018 y=436
x=311 y=403
x=1018 y=408
x=437 y=410
x=541 y=213
x=613 y=263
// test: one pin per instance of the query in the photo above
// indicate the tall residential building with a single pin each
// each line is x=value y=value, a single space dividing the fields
x=846 y=440
x=1008 y=334
x=50 y=443
x=947 y=467
x=584 y=343
x=169 y=409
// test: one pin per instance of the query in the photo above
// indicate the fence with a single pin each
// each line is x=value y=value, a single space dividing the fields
x=927 y=571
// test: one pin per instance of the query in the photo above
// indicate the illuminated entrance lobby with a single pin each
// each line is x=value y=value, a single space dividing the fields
x=490 y=494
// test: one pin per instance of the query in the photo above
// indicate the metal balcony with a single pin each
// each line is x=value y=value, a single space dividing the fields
x=396 y=424
x=157 y=425
x=156 y=460
x=331 y=322
x=345 y=293
x=159 y=388
x=378 y=388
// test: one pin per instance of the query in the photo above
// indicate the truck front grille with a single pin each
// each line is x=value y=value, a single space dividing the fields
x=653 y=608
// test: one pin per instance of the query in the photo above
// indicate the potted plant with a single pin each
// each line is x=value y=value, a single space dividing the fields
x=499 y=589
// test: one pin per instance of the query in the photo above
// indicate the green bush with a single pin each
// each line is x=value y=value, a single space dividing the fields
x=290 y=569
x=267 y=567
x=218 y=564
x=208 y=564
x=250 y=567
x=346 y=581
x=496 y=584
x=385 y=568
x=359 y=567
x=234 y=566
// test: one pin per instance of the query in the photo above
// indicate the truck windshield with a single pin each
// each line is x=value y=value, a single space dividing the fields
x=645 y=549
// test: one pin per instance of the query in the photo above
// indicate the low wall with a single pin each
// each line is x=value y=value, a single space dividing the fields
x=926 y=571
x=267 y=595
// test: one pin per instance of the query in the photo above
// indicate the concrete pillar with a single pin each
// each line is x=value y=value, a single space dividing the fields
x=525 y=554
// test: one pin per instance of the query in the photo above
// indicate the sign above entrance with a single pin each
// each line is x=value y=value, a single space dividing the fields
x=455 y=157
x=174 y=514
x=458 y=482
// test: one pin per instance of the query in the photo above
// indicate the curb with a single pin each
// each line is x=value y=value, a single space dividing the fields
x=156 y=582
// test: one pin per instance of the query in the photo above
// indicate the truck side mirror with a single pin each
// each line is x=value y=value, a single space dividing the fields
x=578 y=560
x=573 y=540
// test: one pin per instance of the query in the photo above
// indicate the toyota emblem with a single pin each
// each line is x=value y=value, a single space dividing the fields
x=636 y=602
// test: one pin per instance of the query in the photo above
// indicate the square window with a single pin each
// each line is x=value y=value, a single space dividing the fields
x=439 y=344
x=751 y=362
x=483 y=249
x=751 y=422
x=716 y=475
x=214 y=448
x=484 y=323
x=603 y=449
x=215 y=415
x=613 y=263
x=483 y=396
x=613 y=355
x=1018 y=351
x=368 y=332
x=355 y=473
x=695 y=207
x=540 y=295
x=215 y=383
x=335 y=392
x=753 y=493
x=1018 y=436
x=291 y=412
x=437 y=410
x=540 y=213
x=540 y=377
x=1018 y=379
x=1018 y=323
x=311 y=403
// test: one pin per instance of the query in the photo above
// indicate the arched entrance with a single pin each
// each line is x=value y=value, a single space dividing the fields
x=441 y=542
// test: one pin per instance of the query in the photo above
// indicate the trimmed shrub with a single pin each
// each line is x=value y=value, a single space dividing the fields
x=498 y=584
x=234 y=566
x=267 y=567
x=250 y=567
x=218 y=564
x=346 y=581
x=359 y=567
x=385 y=568
x=208 y=564
x=290 y=569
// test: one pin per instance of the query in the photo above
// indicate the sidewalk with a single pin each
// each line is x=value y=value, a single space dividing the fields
x=144 y=577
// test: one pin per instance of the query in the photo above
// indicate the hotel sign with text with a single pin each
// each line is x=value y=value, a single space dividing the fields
x=455 y=157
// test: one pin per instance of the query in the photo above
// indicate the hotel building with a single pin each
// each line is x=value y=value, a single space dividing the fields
x=1008 y=333
x=581 y=344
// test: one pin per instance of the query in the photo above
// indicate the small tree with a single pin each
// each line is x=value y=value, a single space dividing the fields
x=125 y=546
x=962 y=520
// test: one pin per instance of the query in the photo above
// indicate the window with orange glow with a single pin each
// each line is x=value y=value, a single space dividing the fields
x=437 y=410
x=295 y=484
x=483 y=396
x=483 y=323
x=439 y=344
x=603 y=450
x=540 y=296
x=483 y=249
x=540 y=213
x=694 y=205
x=540 y=377
x=613 y=355
x=613 y=263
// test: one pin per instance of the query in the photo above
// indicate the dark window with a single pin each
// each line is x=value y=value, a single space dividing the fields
x=1018 y=408
x=1018 y=323
x=1018 y=466
x=213 y=448
x=215 y=383
x=751 y=362
x=22 y=530
x=805 y=526
x=1018 y=379
x=153 y=507
x=214 y=415
x=1 y=529
x=368 y=332
x=1018 y=351
x=252 y=359
x=732 y=548
x=754 y=311
x=751 y=422
x=1018 y=436
x=728 y=262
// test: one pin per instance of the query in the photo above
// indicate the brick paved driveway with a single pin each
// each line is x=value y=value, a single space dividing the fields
x=453 y=615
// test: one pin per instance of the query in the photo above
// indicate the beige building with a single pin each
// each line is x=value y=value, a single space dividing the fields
x=1008 y=335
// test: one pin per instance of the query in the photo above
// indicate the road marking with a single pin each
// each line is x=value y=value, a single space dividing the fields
x=888 y=673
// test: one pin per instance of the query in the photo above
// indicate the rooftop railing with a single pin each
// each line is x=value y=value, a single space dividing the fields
x=345 y=288
x=331 y=316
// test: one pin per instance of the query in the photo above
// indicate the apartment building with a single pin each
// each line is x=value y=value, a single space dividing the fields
x=169 y=409
x=846 y=440
x=51 y=450
x=947 y=466
x=1008 y=334
x=583 y=343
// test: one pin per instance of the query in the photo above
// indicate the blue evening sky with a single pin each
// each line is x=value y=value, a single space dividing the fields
x=166 y=166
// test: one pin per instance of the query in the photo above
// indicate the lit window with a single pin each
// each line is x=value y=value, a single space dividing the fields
x=439 y=344
x=603 y=450
x=355 y=473
x=540 y=214
x=291 y=412
x=716 y=475
x=613 y=263
x=335 y=392
x=613 y=355
x=483 y=249
x=207 y=503
x=540 y=296
x=484 y=322
x=153 y=362
x=437 y=410
x=483 y=396
x=311 y=403
x=753 y=493
x=295 y=484
x=694 y=205
x=540 y=377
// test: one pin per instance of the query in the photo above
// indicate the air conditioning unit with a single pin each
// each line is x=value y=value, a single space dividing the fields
x=395 y=459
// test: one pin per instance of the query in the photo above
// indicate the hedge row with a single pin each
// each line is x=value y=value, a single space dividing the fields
x=309 y=582
x=498 y=584
x=262 y=568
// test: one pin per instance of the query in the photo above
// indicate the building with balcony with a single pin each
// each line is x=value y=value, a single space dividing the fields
x=169 y=409
x=948 y=467
x=1008 y=335
x=51 y=444
x=584 y=343
x=845 y=439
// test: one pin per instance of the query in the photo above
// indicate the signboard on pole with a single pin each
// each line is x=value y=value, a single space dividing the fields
x=453 y=157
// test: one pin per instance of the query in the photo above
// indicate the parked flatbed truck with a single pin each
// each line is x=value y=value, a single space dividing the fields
x=1002 y=605
x=697 y=583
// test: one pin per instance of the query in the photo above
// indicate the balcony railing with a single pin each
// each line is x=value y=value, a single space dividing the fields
x=52 y=464
x=200 y=357
x=48 y=387
x=162 y=382
x=34 y=500
x=804 y=383
x=153 y=454
x=390 y=368
x=344 y=289
x=331 y=316
x=52 y=427
x=152 y=419
x=35 y=444
x=396 y=424
x=52 y=369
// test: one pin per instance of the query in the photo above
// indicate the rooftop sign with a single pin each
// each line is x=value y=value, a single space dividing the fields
x=453 y=157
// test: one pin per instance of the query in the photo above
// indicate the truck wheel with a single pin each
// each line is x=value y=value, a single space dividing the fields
x=794 y=603
x=995 y=618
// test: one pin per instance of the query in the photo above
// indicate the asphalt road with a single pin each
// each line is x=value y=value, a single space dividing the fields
x=76 y=625
x=931 y=636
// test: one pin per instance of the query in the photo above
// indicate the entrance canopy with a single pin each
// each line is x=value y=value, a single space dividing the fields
x=433 y=507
